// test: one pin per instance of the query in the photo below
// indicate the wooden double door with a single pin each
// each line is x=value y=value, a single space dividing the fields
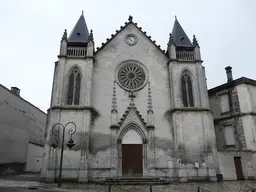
x=132 y=160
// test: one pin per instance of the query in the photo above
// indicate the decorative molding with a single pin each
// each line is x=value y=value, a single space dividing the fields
x=141 y=75
x=124 y=27
x=94 y=112
x=119 y=141
x=190 y=109
x=236 y=150
x=150 y=105
x=150 y=127
x=186 y=61
x=129 y=108
x=145 y=141
x=114 y=99
x=135 y=127
x=37 y=144
x=113 y=127
x=235 y=115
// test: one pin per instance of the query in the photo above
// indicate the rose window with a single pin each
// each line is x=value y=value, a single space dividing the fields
x=131 y=76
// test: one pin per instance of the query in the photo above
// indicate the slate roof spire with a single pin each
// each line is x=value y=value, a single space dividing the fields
x=80 y=34
x=180 y=38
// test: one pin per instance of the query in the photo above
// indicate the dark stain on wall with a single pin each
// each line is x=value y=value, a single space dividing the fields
x=189 y=156
x=166 y=145
x=99 y=142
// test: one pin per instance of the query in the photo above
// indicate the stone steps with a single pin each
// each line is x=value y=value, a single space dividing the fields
x=134 y=181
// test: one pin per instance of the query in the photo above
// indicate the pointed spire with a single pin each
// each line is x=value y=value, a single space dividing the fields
x=80 y=33
x=114 y=99
x=179 y=36
x=195 y=42
x=150 y=106
x=65 y=35
x=91 y=36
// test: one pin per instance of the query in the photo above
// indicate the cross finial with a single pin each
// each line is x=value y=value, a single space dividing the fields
x=65 y=35
x=130 y=18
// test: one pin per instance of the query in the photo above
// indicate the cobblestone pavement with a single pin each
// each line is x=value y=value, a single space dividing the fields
x=23 y=182
x=17 y=189
x=231 y=186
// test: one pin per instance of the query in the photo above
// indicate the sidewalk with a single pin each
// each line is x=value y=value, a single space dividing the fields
x=30 y=181
x=27 y=180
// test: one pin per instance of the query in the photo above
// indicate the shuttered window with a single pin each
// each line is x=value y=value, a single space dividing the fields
x=224 y=103
x=229 y=135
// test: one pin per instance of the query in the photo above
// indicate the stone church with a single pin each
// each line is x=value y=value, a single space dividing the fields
x=131 y=109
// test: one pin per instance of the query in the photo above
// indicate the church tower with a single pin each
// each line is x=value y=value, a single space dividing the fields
x=71 y=102
x=191 y=117
x=129 y=108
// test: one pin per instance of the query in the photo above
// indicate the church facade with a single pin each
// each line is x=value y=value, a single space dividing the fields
x=131 y=108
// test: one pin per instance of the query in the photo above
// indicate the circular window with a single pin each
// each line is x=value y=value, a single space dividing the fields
x=131 y=76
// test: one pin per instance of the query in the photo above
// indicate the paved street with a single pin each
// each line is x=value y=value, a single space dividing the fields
x=11 y=189
x=30 y=182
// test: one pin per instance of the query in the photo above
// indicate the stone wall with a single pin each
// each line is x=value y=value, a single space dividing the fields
x=20 y=123
x=227 y=166
x=34 y=158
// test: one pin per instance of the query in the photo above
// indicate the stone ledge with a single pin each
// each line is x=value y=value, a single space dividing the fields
x=235 y=115
x=114 y=127
x=190 y=109
x=76 y=107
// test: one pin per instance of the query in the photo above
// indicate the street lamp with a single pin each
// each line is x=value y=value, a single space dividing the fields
x=70 y=142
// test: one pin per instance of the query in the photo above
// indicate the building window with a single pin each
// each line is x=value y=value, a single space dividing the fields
x=229 y=135
x=74 y=87
x=224 y=103
x=187 y=90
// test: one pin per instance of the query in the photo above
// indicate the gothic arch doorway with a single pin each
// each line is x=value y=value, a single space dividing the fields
x=132 y=151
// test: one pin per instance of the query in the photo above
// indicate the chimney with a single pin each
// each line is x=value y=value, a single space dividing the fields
x=229 y=73
x=15 y=90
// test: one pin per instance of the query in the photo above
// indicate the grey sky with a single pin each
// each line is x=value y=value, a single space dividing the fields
x=31 y=31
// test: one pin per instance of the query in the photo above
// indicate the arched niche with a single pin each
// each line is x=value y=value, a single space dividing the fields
x=132 y=137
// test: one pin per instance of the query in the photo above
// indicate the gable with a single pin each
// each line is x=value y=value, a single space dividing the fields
x=132 y=116
x=132 y=27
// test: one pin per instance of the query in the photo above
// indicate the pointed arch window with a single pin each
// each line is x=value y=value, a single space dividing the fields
x=74 y=84
x=187 y=90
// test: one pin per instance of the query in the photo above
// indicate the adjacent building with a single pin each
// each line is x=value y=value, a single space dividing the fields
x=233 y=106
x=138 y=110
x=22 y=133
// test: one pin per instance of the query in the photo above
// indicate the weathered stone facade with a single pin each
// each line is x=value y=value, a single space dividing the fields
x=130 y=91
x=240 y=117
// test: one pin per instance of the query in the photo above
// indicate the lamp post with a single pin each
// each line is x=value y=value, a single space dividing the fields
x=70 y=143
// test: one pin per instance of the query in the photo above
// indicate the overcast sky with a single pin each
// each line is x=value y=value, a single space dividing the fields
x=31 y=31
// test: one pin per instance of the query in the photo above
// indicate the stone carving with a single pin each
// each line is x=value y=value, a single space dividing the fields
x=131 y=76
